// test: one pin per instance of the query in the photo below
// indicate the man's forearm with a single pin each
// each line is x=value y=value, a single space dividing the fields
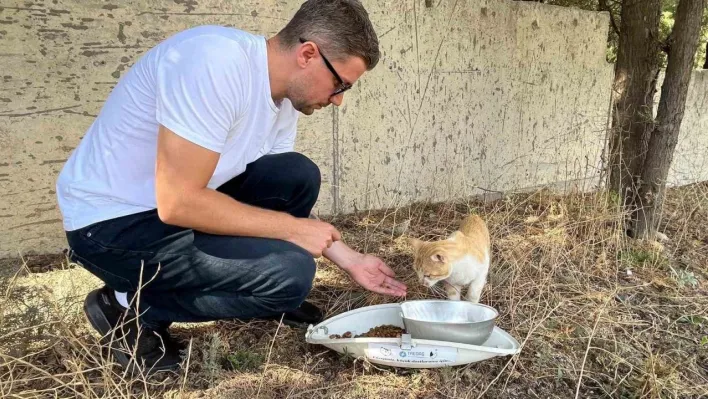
x=213 y=212
x=341 y=255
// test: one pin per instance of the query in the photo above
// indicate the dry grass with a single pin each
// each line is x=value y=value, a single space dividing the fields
x=598 y=315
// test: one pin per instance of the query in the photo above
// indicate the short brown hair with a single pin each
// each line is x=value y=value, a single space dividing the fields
x=341 y=27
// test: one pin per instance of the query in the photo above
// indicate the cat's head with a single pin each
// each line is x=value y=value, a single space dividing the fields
x=433 y=260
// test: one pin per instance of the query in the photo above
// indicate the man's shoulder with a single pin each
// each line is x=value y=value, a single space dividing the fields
x=214 y=35
x=218 y=48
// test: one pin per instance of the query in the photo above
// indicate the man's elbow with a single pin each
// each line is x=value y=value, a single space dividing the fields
x=169 y=209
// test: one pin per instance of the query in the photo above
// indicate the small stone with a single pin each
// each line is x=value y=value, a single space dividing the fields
x=662 y=237
x=401 y=228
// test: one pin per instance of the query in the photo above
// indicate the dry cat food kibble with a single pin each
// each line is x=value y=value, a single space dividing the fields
x=385 y=331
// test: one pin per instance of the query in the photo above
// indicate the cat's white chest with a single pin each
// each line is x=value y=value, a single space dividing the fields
x=468 y=269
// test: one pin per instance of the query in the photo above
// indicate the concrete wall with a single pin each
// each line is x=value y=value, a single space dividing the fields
x=490 y=94
x=690 y=163
x=469 y=95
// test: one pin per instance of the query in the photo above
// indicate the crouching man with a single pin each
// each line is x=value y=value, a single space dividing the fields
x=185 y=196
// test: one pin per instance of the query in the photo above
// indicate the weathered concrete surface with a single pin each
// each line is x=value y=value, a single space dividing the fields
x=690 y=163
x=469 y=94
x=492 y=94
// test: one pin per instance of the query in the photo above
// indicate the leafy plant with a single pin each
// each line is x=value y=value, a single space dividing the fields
x=346 y=356
x=244 y=361
x=695 y=320
x=684 y=277
x=211 y=353
x=640 y=257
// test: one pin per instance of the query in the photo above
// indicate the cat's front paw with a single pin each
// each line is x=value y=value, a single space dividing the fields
x=453 y=292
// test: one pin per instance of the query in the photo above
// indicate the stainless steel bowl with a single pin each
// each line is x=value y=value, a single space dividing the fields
x=451 y=321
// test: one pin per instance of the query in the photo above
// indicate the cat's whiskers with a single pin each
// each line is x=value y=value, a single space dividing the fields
x=438 y=290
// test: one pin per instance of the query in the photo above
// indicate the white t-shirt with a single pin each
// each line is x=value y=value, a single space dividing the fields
x=208 y=84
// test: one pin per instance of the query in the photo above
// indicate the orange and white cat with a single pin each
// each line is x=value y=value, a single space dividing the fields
x=461 y=260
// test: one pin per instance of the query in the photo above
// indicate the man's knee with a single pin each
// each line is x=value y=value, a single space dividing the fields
x=295 y=179
x=300 y=274
x=303 y=170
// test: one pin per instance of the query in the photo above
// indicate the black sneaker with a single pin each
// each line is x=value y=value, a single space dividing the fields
x=133 y=347
x=303 y=316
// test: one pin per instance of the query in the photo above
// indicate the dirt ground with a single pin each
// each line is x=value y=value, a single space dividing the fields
x=598 y=315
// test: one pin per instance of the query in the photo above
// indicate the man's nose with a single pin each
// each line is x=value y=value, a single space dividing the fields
x=337 y=100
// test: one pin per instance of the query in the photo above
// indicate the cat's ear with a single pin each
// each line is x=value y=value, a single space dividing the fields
x=438 y=257
x=415 y=243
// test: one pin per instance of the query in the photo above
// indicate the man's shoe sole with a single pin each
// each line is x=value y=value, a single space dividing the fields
x=100 y=323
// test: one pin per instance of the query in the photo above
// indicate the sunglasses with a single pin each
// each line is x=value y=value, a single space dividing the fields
x=342 y=86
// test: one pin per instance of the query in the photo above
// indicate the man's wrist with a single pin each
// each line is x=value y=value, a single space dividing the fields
x=288 y=228
x=341 y=255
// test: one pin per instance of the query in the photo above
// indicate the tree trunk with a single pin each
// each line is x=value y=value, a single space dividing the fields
x=635 y=70
x=705 y=64
x=664 y=137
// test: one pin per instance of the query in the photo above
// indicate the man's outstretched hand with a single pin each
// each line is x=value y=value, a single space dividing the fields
x=372 y=273
x=367 y=270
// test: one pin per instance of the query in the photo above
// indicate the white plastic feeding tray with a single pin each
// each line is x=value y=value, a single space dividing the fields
x=405 y=351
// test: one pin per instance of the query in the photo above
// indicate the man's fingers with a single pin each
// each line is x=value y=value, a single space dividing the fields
x=391 y=287
x=336 y=235
x=386 y=270
x=395 y=283
x=387 y=291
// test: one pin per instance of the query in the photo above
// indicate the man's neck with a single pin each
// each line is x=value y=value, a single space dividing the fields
x=277 y=69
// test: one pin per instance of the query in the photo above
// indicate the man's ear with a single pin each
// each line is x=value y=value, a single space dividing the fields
x=415 y=243
x=438 y=257
x=304 y=53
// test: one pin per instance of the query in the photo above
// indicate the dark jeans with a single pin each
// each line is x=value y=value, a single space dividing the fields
x=190 y=276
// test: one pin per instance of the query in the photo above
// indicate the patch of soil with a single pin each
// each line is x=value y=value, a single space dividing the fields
x=37 y=263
